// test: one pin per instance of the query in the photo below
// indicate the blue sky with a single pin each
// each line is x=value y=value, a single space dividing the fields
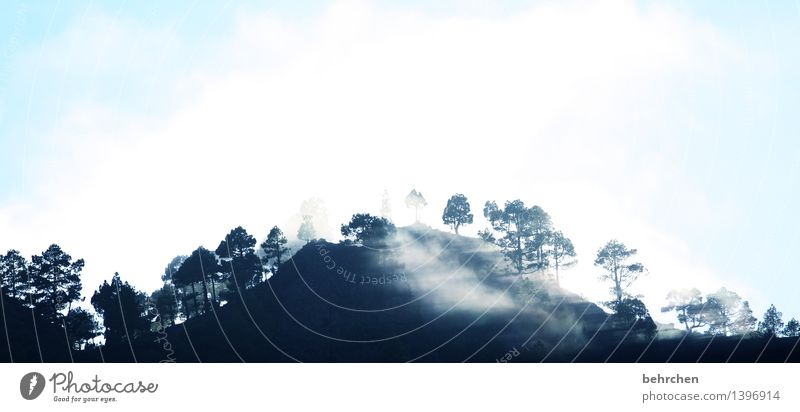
x=684 y=144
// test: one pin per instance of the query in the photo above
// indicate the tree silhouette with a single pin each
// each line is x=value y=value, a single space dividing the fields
x=306 y=230
x=772 y=324
x=457 y=212
x=744 y=322
x=629 y=309
x=172 y=267
x=55 y=281
x=274 y=249
x=615 y=258
x=792 y=329
x=125 y=315
x=166 y=302
x=514 y=224
x=81 y=327
x=369 y=230
x=632 y=311
x=239 y=261
x=562 y=252
x=200 y=267
x=415 y=200
x=14 y=274
x=541 y=229
x=723 y=307
x=688 y=304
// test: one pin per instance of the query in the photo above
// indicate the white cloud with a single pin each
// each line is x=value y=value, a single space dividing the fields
x=554 y=105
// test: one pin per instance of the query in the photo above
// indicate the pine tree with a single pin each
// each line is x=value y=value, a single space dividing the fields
x=274 y=249
x=772 y=324
x=14 y=275
x=615 y=257
x=306 y=231
x=744 y=322
x=562 y=251
x=55 y=281
x=792 y=329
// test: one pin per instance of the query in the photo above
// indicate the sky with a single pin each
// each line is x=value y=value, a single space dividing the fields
x=131 y=132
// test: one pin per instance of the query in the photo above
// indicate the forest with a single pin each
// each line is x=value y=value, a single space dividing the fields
x=244 y=283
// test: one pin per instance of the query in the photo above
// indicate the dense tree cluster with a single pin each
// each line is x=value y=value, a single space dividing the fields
x=526 y=237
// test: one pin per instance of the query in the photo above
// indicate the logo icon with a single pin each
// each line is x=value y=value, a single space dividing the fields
x=31 y=385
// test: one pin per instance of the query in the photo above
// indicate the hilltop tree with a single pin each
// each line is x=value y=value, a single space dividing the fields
x=274 y=249
x=772 y=324
x=166 y=302
x=615 y=258
x=81 y=327
x=125 y=315
x=723 y=307
x=55 y=281
x=200 y=267
x=369 y=230
x=562 y=251
x=317 y=214
x=514 y=225
x=541 y=230
x=457 y=212
x=415 y=200
x=792 y=329
x=239 y=260
x=744 y=322
x=689 y=306
x=14 y=274
x=306 y=231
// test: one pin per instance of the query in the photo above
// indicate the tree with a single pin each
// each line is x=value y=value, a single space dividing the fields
x=562 y=252
x=514 y=225
x=274 y=249
x=689 y=306
x=317 y=213
x=386 y=206
x=306 y=231
x=55 y=281
x=172 y=267
x=457 y=212
x=744 y=322
x=166 y=302
x=239 y=261
x=615 y=258
x=200 y=267
x=632 y=311
x=541 y=230
x=723 y=307
x=417 y=201
x=369 y=230
x=629 y=309
x=772 y=324
x=125 y=315
x=14 y=274
x=81 y=327
x=792 y=329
